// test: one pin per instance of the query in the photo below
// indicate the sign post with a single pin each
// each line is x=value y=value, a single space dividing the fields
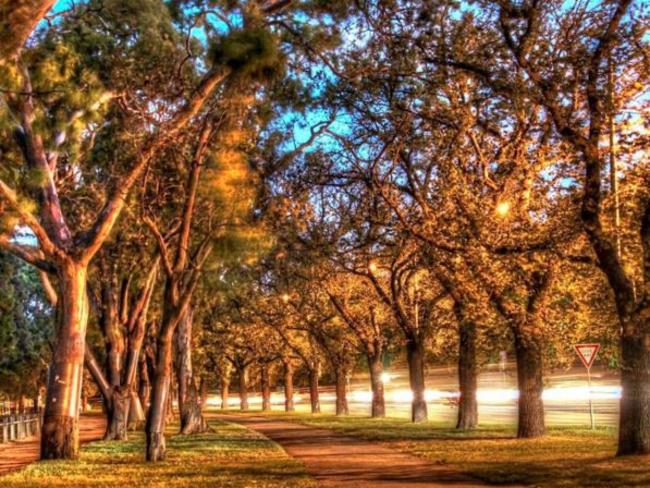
x=587 y=354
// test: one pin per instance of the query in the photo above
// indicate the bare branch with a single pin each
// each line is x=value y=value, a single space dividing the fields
x=162 y=245
x=46 y=245
x=99 y=232
x=28 y=254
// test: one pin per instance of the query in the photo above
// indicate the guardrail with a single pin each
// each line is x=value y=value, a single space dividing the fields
x=18 y=427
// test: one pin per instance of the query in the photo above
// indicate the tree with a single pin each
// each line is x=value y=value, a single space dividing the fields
x=597 y=41
x=370 y=322
x=49 y=139
x=464 y=175
x=122 y=320
x=26 y=329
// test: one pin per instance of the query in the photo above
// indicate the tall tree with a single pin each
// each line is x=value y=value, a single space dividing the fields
x=51 y=141
x=562 y=59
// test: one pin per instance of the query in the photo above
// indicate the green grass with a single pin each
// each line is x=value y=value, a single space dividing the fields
x=230 y=457
x=566 y=457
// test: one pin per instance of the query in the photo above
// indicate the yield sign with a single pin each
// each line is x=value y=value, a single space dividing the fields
x=587 y=353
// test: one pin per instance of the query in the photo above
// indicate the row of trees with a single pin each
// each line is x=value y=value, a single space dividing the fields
x=487 y=174
x=444 y=189
x=150 y=111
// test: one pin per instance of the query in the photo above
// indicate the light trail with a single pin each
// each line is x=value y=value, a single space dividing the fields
x=566 y=396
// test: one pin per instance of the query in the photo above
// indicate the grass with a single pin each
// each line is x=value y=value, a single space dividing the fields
x=230 y=457
x=566 y=457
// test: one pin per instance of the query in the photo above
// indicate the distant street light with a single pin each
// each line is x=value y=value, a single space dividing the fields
x=503 y=208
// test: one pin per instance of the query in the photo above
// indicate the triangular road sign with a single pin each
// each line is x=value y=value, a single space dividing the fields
x=587 y=353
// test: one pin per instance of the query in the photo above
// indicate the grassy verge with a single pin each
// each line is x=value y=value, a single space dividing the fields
x=230 y=457
x=565 y=457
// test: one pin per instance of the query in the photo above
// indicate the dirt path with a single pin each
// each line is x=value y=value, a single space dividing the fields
x=15 y=455
x=339 y=461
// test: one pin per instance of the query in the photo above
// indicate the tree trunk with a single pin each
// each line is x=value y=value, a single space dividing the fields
x=170 y=400
x=225 y=389
x=192 y=421
x=288 y=387
x=467 y=377
x=378 y=407
x=203 y=390
x=98 y=377
x=415 y=357
x=60 y=433
x=118 y=414
x=266 y=387
x=634 y=419
x=144 y=390
x=136 y=412
x=157 y=414
x=341 y=392
x=243 y=388
x=313 y=389
x=112 y=328
x=529 y=380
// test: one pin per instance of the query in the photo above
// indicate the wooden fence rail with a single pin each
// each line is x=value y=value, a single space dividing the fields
x=20 y=426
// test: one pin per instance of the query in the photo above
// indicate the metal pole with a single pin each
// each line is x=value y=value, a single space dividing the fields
x=591 y=405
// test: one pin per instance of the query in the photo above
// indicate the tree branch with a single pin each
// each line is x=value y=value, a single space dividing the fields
x=47 y=246
x=162 y=245
x=27 y=254
x=92 y=240
x=190 y=202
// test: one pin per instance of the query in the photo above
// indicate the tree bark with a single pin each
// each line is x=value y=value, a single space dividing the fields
x=157 y=415
x=378 y=407
x=117 y=409
x=98 y=377
x=314 y=399
x=467 y=376
x=415 y=357
x=203 y=390
x=18 y=19
x=112 y=329
x=136 y=415
x=288 y=387
x=243 y=388
x=192 y=421
x=118 y=415
x=60 y=433
x=144 y=390
x=341 y=392
x=225 y=389
x=266 y=387
x=634 y=419
x=529 y=380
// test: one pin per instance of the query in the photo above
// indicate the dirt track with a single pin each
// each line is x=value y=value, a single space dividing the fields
x=335 y=460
